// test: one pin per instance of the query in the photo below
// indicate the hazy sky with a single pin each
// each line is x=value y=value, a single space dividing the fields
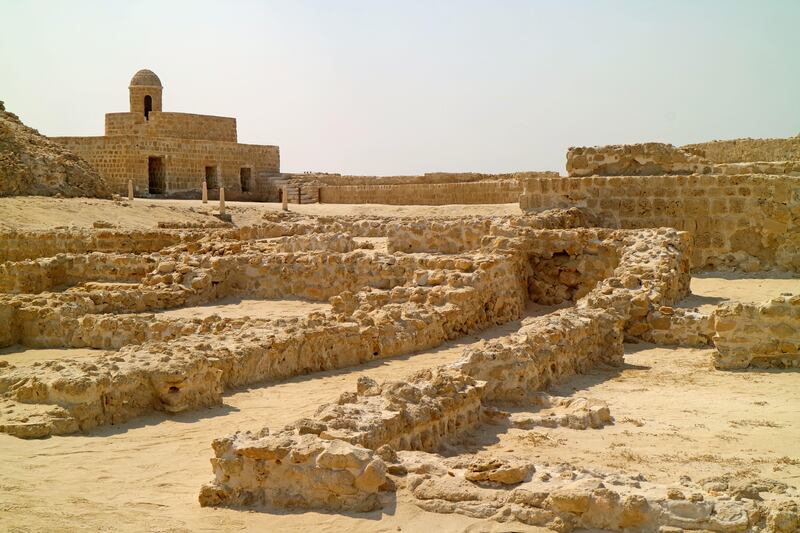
x=400 y=87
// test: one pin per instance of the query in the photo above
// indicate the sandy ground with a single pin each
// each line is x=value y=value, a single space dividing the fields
x=710 y=289
x=20 y=354
x=674 y=415
x=243 y=307
x=37 y=212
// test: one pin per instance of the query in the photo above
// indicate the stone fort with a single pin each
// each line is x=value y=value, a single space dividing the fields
x=166 y=153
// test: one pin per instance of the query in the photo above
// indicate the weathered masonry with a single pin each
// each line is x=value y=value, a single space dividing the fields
x=166 y=153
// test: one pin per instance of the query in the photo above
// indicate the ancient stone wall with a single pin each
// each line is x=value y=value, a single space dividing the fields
x=479 y=192
x=747 y=222
x=647 y=159
x=451 y=235
x=432 y=406
x=771 y=168
x=40 y=275
x=428 y=178
x=123 y=157
x=21 y=245
x=759 y=335
x=744 y=150
x=167 y=124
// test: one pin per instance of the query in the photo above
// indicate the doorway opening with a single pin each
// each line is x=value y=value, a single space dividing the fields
x=244 y=178
x=156 y=175
x=148 y=106
x=211 y=177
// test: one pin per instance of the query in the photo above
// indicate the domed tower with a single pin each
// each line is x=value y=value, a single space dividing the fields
x=145 y=93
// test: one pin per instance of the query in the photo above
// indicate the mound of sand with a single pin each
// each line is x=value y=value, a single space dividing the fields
x=32 y=164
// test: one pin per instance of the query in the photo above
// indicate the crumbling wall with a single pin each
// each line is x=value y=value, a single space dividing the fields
x=294 y=471
x=744 y=150
x=771 y=168
x=34 y=276
x=758 y=335
x=18 y=245
x=646 y=159
x=452 y=235
x=747 y=222
x=431 y=406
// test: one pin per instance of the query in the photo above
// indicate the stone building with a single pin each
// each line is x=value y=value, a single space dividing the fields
x=167 y=153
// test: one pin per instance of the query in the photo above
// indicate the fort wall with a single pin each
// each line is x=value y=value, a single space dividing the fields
x=168 y=124
x=748 y=222
x=426 y=179
x=123 y=157
x=479 y=192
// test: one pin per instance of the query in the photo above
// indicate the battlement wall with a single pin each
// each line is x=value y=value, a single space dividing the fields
x=748 y=222
x=177 y=125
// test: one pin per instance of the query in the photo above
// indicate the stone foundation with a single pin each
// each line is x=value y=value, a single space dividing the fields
x=758 y=335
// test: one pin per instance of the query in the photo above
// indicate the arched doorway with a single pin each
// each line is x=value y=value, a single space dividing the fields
x=148 y=106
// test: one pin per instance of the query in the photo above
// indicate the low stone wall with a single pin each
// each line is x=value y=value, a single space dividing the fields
x=34 y=276
x=21 y=245
x=544 y=352
x=420 y=412
x=743 y=222
x=743 y=150
x=479 y=192
x=452 y=235
x=294 y=471
x=646 y=159
x=758 y=335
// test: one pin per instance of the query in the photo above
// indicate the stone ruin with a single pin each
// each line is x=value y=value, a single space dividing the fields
x=614 y=253
x=32 y=164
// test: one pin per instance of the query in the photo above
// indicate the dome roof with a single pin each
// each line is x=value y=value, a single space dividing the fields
x=145 y=78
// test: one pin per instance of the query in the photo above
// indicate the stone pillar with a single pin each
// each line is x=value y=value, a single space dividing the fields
x=130 y=190
x=222 y=200
x=285 y=197
x=205 y=192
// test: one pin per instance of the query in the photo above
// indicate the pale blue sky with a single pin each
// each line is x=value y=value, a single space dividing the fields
x=380 y=87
